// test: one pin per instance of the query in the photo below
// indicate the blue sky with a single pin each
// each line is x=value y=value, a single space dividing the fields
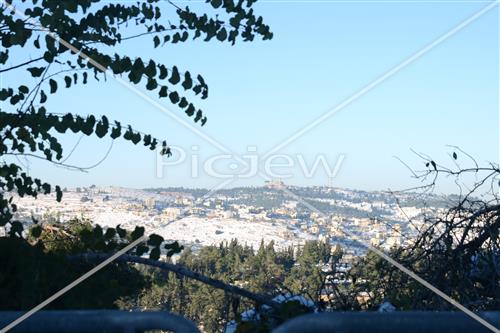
x=322 y=53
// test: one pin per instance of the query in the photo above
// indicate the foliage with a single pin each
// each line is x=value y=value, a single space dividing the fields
x=80 y=236
x=456 y=250
x=263 y=271
x=41 y=267
x=54 y=31
x=306 y=276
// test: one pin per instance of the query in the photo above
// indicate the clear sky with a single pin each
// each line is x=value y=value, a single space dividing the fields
x=322 y=53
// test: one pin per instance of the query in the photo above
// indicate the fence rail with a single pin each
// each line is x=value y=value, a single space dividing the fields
x=376 y=322
x=108 y=321
x=328 y=322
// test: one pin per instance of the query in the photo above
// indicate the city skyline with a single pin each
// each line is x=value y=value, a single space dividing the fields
x=276 y=88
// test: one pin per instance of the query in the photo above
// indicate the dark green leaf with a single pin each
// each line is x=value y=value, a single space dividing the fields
x=36 y=71
x=16 y=228
x=222 y=34
x=188 y=82
x=121 y=232
x=155 y=253
x=36 y=231
x=48 y=57
x=190 y=110
x=152 y=84
x=43 y=97
x=36 y=43
x=174 y=77
x=59 y=193
x=137 y=233
x=174 y=97
x=67 y=80
x=110 y=233
x=163 y=91
x=23 y=89
x=116 y=131
x=141 y=249
x=101 y=129
x=155 y=240
x=163 y=72
x=53 y=86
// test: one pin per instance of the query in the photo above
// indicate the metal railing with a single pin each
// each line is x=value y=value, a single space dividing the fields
x=108 y=321
x=376 y=322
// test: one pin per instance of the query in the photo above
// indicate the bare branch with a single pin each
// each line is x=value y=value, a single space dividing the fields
x=260 y=299
x=20 y=65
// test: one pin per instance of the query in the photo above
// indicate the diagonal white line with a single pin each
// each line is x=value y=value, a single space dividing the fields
x=148 y=99
x=151 y=101
x=307 y=128
x=123 y=82
x=382 y=78
x=97 y=268
x=393 y=262
x=353 y=98
x=73 y=284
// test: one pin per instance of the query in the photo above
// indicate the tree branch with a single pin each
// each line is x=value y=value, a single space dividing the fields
x=67 y=166
x=261 y=299
x=20 y=65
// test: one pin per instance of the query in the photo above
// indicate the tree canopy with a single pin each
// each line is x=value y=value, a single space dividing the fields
x=70 y=44
x=72 y=41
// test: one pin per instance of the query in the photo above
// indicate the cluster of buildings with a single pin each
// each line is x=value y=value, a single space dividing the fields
x=349 y=219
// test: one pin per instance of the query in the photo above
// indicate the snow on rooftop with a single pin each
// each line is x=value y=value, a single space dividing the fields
x=215 y=231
